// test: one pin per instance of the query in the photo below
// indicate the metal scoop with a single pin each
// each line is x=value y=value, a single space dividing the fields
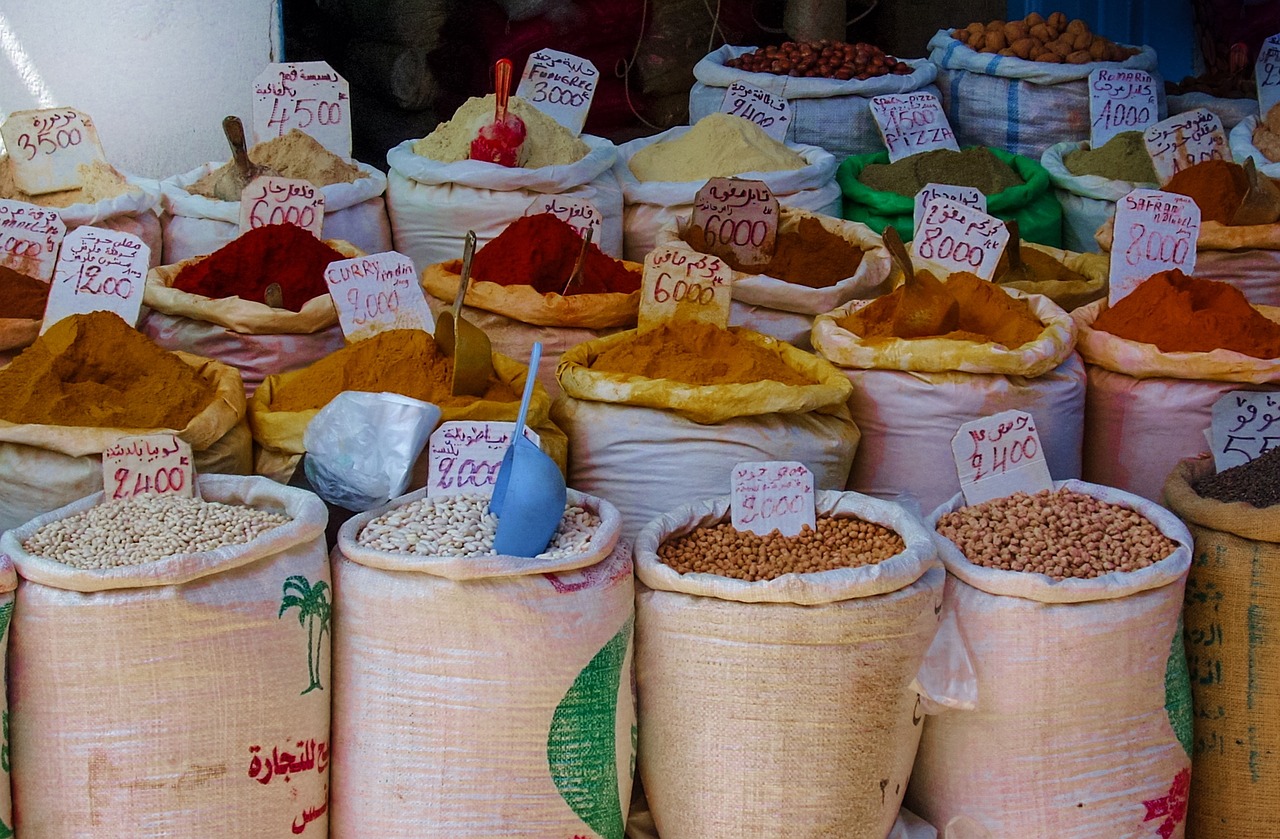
x=244 y=170
x=582 y=260
x=529 y=493
x=462 y=340
x=1017 y=272
x=925 y=307
x=1261 y=204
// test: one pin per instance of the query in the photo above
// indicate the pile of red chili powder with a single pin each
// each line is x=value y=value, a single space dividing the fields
x=541 y=251
x=275 y=253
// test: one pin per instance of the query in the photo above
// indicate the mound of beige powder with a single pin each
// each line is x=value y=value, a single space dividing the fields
x=1266 y=137
x=99 y=181
x=294 y=155
x=546 y=143
x=718 y=146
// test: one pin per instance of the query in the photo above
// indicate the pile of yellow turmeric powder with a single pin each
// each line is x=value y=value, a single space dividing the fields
x=96 y=371
x=697 y=354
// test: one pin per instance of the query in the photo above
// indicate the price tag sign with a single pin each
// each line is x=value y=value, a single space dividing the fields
x=1182 y=141
x=960 y=238
x=48 y=146
x=1119 y=101
x=739 y=219
x=1267 y=74
x=1246 y=425
x=29 y=238
x=464 y=456
x=578 y=213
x=683 y=285
x=560 y=85
x=272 y=200
x=375 y=293
x=98 y=270
x=155 y=464
x=998 y=456
x=911 y=123
x=767 y=110
x=967 y=195
x=1154 y=231
x=772 y=495
x=307 y=95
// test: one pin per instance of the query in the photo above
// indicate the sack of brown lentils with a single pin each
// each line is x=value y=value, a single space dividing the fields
x=170 y=665
x=1232 y=663
x=480 y=694
x=798 y=656
x=1068 y=605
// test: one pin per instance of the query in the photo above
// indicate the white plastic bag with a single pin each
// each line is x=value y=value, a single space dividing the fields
x=1082 y=726
x=432 y=204
x=828 y=113
x=1242 y=147
x=195 y=225
x=747 y=688
x=1088 y=201
x=178 y=698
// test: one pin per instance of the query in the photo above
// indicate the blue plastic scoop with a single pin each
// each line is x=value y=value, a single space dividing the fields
x=529 y=494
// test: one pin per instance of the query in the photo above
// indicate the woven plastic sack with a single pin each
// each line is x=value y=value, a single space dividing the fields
x=483 y=696
x=1232 y=665
x=432 y=204
x=1231 y=111
x=1031 y=203
x=786 y=310
x=746 y=687
x=1088 y=201
x=650 y=445
x=43 y=467
x=648 y=205
x=277 y=435
x=1145 y=409
x=1081 y=726
x=180 y=698
x=909 y=398
x=247 y=334
x=516 y=316
x=1018 y=105
x=828 y=113
x=195 y=225
x=1242 y=147
x=1069 y=295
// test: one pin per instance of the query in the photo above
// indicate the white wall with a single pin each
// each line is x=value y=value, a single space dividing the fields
x=157 y=76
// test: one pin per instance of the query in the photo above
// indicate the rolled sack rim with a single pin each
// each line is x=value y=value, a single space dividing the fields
x=1246 y=520
x=479 y=174
x=1086 y=186
x=712 y=71
x=1035 y=182
x=1214 y=236
x=951 y=54
x=177 y=201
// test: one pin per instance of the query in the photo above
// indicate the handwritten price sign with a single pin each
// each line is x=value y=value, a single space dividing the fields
x=772 y=495
x=739 y=219
x=767 y=110
x=911 y=123
x=155 y=464
x=272 y=200
x=1119 y=101
x=967 y=195
x=375 y=293
x=464 y=456
x=48 y=146
x=578 y=213
x=1246 y=425
x=29 y=238
x=560 y=85
x=307 y=95
x=98 y=270
x=998 y=456
x=683 y=285
x=1154 y=231
x=1267 y=74
x=1182 y=141
x=961 y=238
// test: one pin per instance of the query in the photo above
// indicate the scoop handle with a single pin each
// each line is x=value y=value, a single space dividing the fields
x=501 y=87
x=468 y=253
x=898 y=252
x=233 y=128
x=576 y=273
x=535 y=356
x=1014 y=246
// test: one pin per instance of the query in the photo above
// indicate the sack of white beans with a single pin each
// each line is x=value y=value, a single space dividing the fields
x=170 y=669
x=1078 y=725
x=480 y=695
x=754 y=672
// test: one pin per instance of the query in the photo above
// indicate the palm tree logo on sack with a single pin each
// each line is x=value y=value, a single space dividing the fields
x=314 y=610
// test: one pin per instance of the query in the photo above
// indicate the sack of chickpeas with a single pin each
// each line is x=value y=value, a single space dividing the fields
x=1068 y=605
x=170 y=665
x=1233 y=665
x=479 y=694
x=995 y=95
x=832 y=113
x=796 y=654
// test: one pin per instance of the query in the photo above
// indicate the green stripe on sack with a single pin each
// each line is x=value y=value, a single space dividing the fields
x=582 y=751
x=1177 y=691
